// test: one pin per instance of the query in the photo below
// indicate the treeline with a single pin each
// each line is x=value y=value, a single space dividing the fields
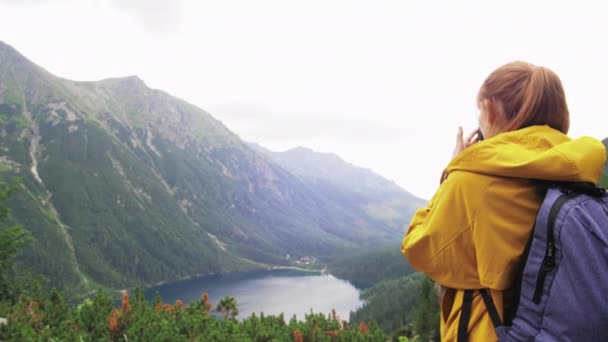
x=400 y=301
x=366 y=268
x=407 y=306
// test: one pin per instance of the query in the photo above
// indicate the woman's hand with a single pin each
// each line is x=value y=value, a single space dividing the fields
x=462 y=143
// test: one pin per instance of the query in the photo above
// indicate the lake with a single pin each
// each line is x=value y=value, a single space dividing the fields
x=272 y=292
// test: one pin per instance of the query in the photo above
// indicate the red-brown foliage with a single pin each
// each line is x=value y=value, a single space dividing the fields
x=297 y=336
x=126 y=307
x=363 y=328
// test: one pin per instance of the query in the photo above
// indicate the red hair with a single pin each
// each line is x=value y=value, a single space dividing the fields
x=526 y=95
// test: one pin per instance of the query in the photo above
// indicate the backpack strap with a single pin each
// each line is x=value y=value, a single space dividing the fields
x=487 y=299
x=549 y=260
x=569 y=190
x=572 y=188
x=465 y=313
x=465 y=316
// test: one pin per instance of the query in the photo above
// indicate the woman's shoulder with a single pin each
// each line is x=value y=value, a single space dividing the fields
x=486 y=187
x=469 y=178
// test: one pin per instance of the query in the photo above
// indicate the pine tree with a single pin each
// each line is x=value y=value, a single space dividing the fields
x=227 y=307
x=12 y=241
x=426 y=318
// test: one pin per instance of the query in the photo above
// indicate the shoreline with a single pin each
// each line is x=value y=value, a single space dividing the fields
x=266 y=268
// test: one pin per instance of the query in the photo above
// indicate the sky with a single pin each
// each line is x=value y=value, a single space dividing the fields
x=383 y=84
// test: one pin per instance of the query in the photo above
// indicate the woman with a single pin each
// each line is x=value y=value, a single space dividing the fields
x=475 y=228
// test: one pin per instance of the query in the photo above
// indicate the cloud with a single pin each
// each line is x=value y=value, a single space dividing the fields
x=156 y=15
x=254 y=121
x=24 y=2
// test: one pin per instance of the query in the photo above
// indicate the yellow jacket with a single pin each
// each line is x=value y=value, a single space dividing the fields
x=476 y=226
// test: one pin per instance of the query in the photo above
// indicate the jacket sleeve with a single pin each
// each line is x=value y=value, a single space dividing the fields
x=439 y=239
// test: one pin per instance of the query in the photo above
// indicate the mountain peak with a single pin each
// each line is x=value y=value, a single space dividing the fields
x=300 y=149
x=130 y=82
x=330 y=167
x=6 y=48
x=305 y=151
x=132 y=79
x=11 y=54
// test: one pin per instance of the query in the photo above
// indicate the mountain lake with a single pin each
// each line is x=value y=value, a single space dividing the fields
x=286 y=291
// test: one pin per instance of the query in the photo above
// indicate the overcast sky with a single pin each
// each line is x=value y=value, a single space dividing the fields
x=383 y=84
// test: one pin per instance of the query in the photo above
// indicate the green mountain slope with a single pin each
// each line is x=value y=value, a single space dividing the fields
x=99 y=214
x=365 y=268
x=125 y=185
x=393 y=304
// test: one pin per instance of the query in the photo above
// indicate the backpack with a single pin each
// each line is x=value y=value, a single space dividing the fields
x=560 y=292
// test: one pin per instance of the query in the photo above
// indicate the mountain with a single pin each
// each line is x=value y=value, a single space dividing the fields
x=360 y=191
x=124 y=185
x=331 y=169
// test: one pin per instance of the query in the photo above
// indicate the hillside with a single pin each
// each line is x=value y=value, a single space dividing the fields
x=365 y=268
x=124 y=185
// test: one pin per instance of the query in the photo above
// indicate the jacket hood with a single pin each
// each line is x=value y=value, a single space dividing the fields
x=536 y=152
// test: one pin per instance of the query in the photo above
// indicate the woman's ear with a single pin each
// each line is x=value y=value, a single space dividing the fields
x=489 y=109
x=491 y=119
x=495 y=112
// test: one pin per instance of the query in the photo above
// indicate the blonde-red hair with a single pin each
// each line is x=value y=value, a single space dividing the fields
x=526 y=95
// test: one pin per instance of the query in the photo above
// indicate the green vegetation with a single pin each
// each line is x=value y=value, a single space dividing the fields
x=402 y=307
x=368 y=267
x=14 y=281
x=12 y=96
x=50 y=318
x=427 y=316
x=12 y=241
x=20 y=122
x=400 y=301
x=41 y=316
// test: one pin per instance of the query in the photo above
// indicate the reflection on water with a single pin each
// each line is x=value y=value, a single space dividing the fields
x=271 y=292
